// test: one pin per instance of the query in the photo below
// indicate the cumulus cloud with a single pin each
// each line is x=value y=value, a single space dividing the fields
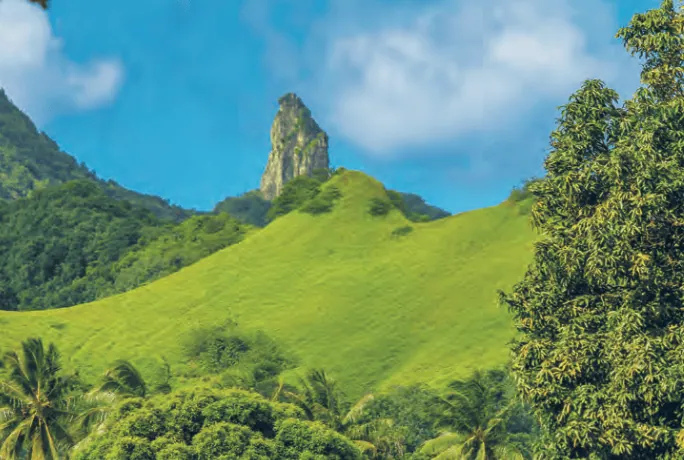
x=38 y=77
x=463 y=67
x=393 y=76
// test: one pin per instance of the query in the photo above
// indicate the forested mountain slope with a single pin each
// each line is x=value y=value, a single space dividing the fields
x=30 y=160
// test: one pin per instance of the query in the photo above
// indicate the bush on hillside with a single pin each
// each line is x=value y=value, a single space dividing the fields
x=379 y=207
x=248 y=361
x=402 y=231
x=414 y=208
x=305 y=193
x=417 y=210
x=323 y=202
x=294 y=194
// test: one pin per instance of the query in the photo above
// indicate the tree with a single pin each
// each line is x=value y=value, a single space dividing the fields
x=600 y=311
x=35 y=407
x=208 y=423
x=476 y=416
x=124 y=379
x=320 y=398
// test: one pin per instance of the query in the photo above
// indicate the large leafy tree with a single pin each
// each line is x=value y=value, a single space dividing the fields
x=600 y=311
x=213 y=424
x=35 y=410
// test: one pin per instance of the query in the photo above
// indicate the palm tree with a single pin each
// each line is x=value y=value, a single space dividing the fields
x=321 y=400
x=475 y=417
x=35 y=404
x=124 y=379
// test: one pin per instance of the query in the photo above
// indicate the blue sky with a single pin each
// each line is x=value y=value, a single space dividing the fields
x=453 y=100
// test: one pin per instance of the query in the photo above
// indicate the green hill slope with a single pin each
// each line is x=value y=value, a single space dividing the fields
x=30 y=160
x=339 y=289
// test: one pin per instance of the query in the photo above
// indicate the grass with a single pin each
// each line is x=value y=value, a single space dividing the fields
x=338 y=289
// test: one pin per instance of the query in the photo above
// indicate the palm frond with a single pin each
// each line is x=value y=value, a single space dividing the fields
x=442 y=443
x=357 y=410
x=91 y=409
x=509 y=452
x=123 y=378
x=366 y=447
x=279 y=389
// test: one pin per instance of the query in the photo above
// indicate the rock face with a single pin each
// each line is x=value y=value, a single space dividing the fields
x=298 y=146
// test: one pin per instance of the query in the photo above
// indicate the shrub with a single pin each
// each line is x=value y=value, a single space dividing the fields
x=295 y=193
x=379 y=207
x=403 y=230
x=323 y=202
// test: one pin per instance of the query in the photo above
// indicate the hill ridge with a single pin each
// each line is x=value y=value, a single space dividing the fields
x=371 y=307
x=30 y=159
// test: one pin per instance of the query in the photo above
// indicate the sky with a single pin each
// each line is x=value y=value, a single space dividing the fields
x=451 y=99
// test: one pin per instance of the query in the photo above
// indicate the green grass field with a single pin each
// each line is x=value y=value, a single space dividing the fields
x=338 y=289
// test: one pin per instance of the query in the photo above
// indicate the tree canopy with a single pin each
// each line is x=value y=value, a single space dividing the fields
x=211 y=423
x=600 y=311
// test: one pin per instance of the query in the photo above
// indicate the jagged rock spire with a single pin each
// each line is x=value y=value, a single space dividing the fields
x=298 y=146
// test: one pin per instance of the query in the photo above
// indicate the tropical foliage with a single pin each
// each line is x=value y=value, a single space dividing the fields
x=481 y=419
x=124 y=379
x=41 y=408
x=250 y=208
x=209 y=423
x=72 y=244
x=600 y=311
x=47 y=414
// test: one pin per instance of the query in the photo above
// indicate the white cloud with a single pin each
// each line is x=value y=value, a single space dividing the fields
x=38 y=77
x=453 y=68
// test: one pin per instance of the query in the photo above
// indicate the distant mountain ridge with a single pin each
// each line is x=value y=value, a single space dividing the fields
x=30 y=160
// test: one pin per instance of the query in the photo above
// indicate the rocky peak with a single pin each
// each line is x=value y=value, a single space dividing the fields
x=298 y=146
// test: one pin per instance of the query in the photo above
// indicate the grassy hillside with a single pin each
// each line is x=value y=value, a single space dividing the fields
x=340 y=288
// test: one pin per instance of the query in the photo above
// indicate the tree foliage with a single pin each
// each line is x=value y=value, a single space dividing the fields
x=36 y=405
x=320 y=398
x=209 y=423
x=30 y=160
x=124 y=379
x=480 y=419
x=414 y=207
x=71 y=244
x=600 y=311
x=250 y=208
x=307 y=194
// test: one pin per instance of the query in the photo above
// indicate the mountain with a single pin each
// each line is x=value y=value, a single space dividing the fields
x=72 y=243
x=30 y=160
x=375 y=299
x=298 y=146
